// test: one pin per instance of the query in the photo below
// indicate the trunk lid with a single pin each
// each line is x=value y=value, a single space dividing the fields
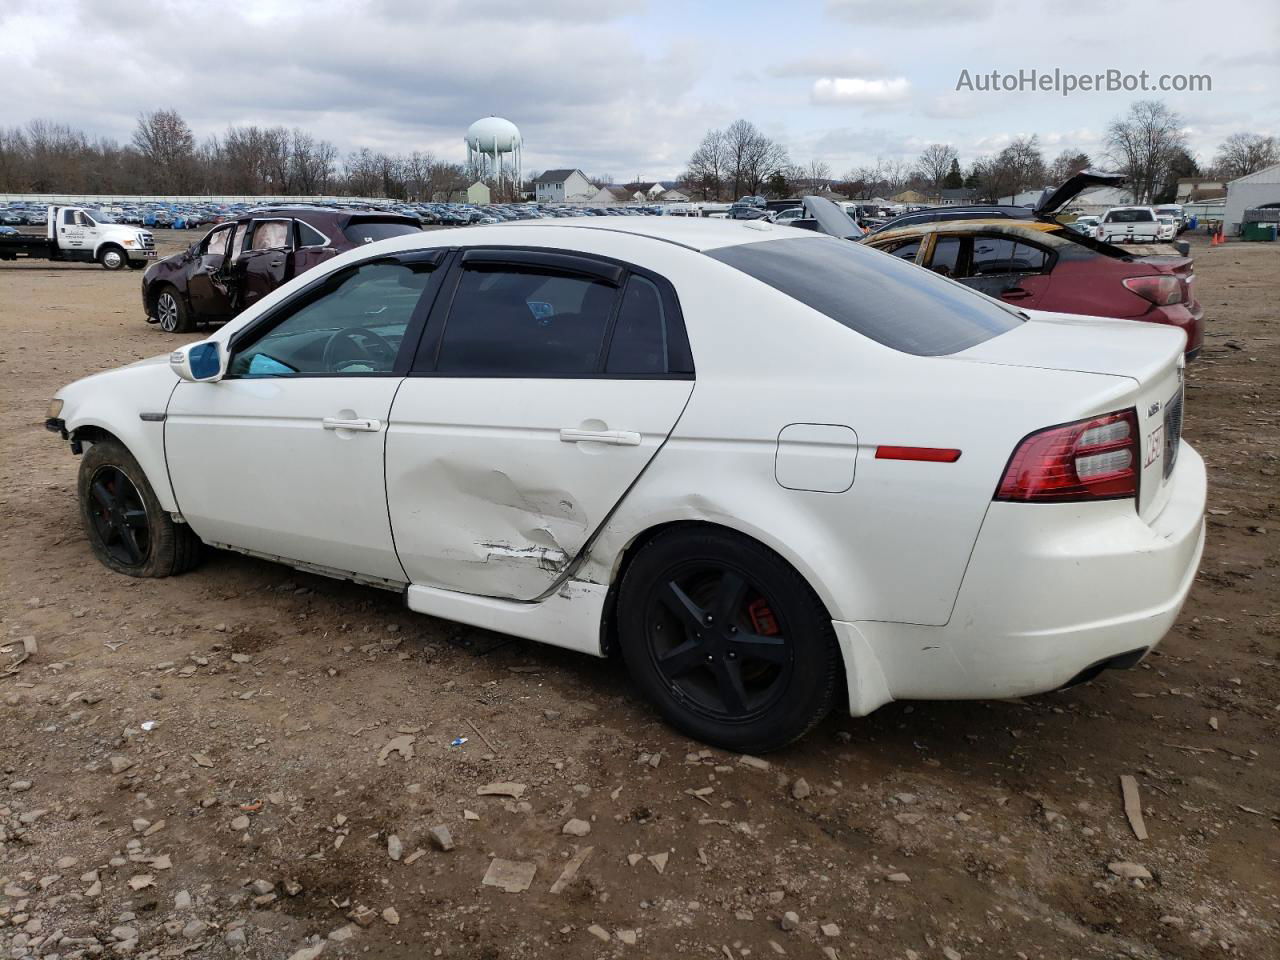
x=1054 y=199
x=1149 y=355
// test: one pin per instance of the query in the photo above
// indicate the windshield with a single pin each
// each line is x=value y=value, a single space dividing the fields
x=875 y=294
x=100 y=217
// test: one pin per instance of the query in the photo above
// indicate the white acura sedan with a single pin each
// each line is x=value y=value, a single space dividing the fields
x=772 y=469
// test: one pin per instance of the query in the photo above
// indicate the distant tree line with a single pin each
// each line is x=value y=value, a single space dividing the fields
x=163 y=157
x=1148 y=144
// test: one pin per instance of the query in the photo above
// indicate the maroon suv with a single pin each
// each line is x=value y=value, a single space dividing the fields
x=239 y=262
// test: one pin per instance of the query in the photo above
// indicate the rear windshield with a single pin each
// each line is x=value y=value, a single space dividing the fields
x=1129 y=216
x=369 y=231
x=893 y=302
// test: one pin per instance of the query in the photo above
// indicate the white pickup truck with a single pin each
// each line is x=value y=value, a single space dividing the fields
x=1128 y=225
x=86 y=235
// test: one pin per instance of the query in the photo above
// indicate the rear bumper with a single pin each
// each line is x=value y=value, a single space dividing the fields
x=1187 y=317
x=1052 y=593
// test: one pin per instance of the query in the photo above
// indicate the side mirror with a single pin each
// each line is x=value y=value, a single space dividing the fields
x=201 y=362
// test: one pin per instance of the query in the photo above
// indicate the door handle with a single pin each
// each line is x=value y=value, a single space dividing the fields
x=1016 y=293
x=622 y=438
x=337 y=423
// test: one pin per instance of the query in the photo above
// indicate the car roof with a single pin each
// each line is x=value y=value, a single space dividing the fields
x=695 y=233
x=1046 y=231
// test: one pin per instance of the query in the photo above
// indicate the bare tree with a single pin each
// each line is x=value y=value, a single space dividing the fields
x=816 y=176
x=708 y=166
x=1244 y=153
x=935 y=162
x=1143 y=144
x=1066 y=165
x=752 y=157
x=167 y=145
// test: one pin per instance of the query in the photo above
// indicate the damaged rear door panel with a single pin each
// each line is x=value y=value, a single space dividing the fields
x=544 y=385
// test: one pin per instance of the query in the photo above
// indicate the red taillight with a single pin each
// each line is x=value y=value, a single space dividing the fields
x=1094 y=459
x=1160 y=289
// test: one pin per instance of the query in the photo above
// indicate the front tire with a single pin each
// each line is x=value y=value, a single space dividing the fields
x=727 y=640
x=172 y=313
x=112 y=258
x=127 y=528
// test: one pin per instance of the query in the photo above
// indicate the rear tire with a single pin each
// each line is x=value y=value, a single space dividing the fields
x=727 y=640
x=172 y=312
x=127 y=528
x=112 y=258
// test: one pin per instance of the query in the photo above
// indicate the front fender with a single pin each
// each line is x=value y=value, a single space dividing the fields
x=116 y=402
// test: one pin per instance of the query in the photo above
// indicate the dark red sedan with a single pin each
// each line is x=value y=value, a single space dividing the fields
x=240 y=261
x=1042 y=265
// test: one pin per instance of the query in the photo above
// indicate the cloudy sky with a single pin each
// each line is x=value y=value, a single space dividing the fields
x=628 y=87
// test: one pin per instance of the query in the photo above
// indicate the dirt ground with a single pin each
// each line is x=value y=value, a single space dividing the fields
x=199 y=765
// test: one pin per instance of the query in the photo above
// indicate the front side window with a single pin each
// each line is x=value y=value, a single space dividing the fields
x=904 y=249
x=352 y=324
x=517 y=322
x=880 y=297
x=946 y=256
x=215 y=244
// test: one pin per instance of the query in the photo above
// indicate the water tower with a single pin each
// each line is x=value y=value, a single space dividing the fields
x=493 y=153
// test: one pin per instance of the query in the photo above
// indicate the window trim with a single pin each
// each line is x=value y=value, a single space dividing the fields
x=679 y=353
x=281 y=312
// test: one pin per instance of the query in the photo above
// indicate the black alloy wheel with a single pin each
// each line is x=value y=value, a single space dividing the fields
x=730 y=643
x=119 y=517
x=716 y=641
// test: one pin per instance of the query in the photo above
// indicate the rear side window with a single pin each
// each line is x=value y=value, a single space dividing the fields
x=992 y=255
x=639 y=343
x=270 y=235
x=881 y=297
x=513 y=322
x=371 y=231
x=309 y=236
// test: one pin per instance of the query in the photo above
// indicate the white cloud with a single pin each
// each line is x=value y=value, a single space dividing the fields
x=845 y=91
x=840 y=65
x=908 y=13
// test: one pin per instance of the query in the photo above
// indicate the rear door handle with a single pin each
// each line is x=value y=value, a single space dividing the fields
x=622 y=438
x=1016 y=293
x=337 y=423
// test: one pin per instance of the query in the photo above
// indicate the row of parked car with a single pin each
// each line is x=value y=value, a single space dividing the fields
x=194 y=216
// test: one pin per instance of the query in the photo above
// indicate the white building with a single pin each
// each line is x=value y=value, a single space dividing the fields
x=562 y=186
x=1244 y=193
